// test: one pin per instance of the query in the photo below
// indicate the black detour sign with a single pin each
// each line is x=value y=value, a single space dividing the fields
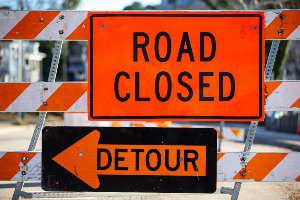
x=165 y=160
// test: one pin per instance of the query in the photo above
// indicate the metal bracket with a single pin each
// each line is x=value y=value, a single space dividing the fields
x=236 y=190
x=42 y=116
x=233 y=192
x=271 y=59
x=81 y=195
x=254 y=124
x=51 y=78
x=222 y=124
x=226 y=190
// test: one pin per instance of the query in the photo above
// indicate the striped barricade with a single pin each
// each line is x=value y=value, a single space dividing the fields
x=261 y=167
x=51 y=97
x=72 y=25
x=230 y=134
x=81 y=119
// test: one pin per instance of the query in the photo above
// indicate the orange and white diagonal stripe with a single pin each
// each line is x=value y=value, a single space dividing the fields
x=282 y=24
x=72 y=96
x=261 y=167
x=283 y=96
x=40 y=96
x=12 y=163
x=72 y=25
x=43 y=25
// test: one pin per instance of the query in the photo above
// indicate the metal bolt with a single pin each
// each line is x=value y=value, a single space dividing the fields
x=281 y=16
x=243 y=173
x=25 y=158
x=102 y=25
x=61 y=31
x=23 y=173
x=280 y=31
x=41 y=19
x=61 y=17
x=254 y=27
x=45 y=103
x=80 y=154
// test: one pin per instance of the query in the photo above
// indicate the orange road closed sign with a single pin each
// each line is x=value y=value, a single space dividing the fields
x=176 y=66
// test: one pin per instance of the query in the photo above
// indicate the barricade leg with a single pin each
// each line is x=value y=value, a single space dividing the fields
x=42 y=116
x=253 y=125
x=236 y=191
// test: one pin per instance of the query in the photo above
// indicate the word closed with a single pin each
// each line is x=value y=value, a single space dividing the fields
x=176 y=65
x=146 y=159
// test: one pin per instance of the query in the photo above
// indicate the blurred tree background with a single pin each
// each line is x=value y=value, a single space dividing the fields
x=139 y=6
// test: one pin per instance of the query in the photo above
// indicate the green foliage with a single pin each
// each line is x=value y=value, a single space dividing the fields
x=71 y=4
x=223 y=3
x=150 y=7
x=210 y=4
x=280 y=58
x=139 y=6
x=134 y=6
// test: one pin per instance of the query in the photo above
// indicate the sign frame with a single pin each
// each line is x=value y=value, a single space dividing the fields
x=232 y=14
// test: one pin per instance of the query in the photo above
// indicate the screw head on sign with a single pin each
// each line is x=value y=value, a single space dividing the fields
x=280 y=31
x=80 y=154
x=23 y=173
x=61 y=17
x=45 y=103
x=61 y=31
x=41 y=19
